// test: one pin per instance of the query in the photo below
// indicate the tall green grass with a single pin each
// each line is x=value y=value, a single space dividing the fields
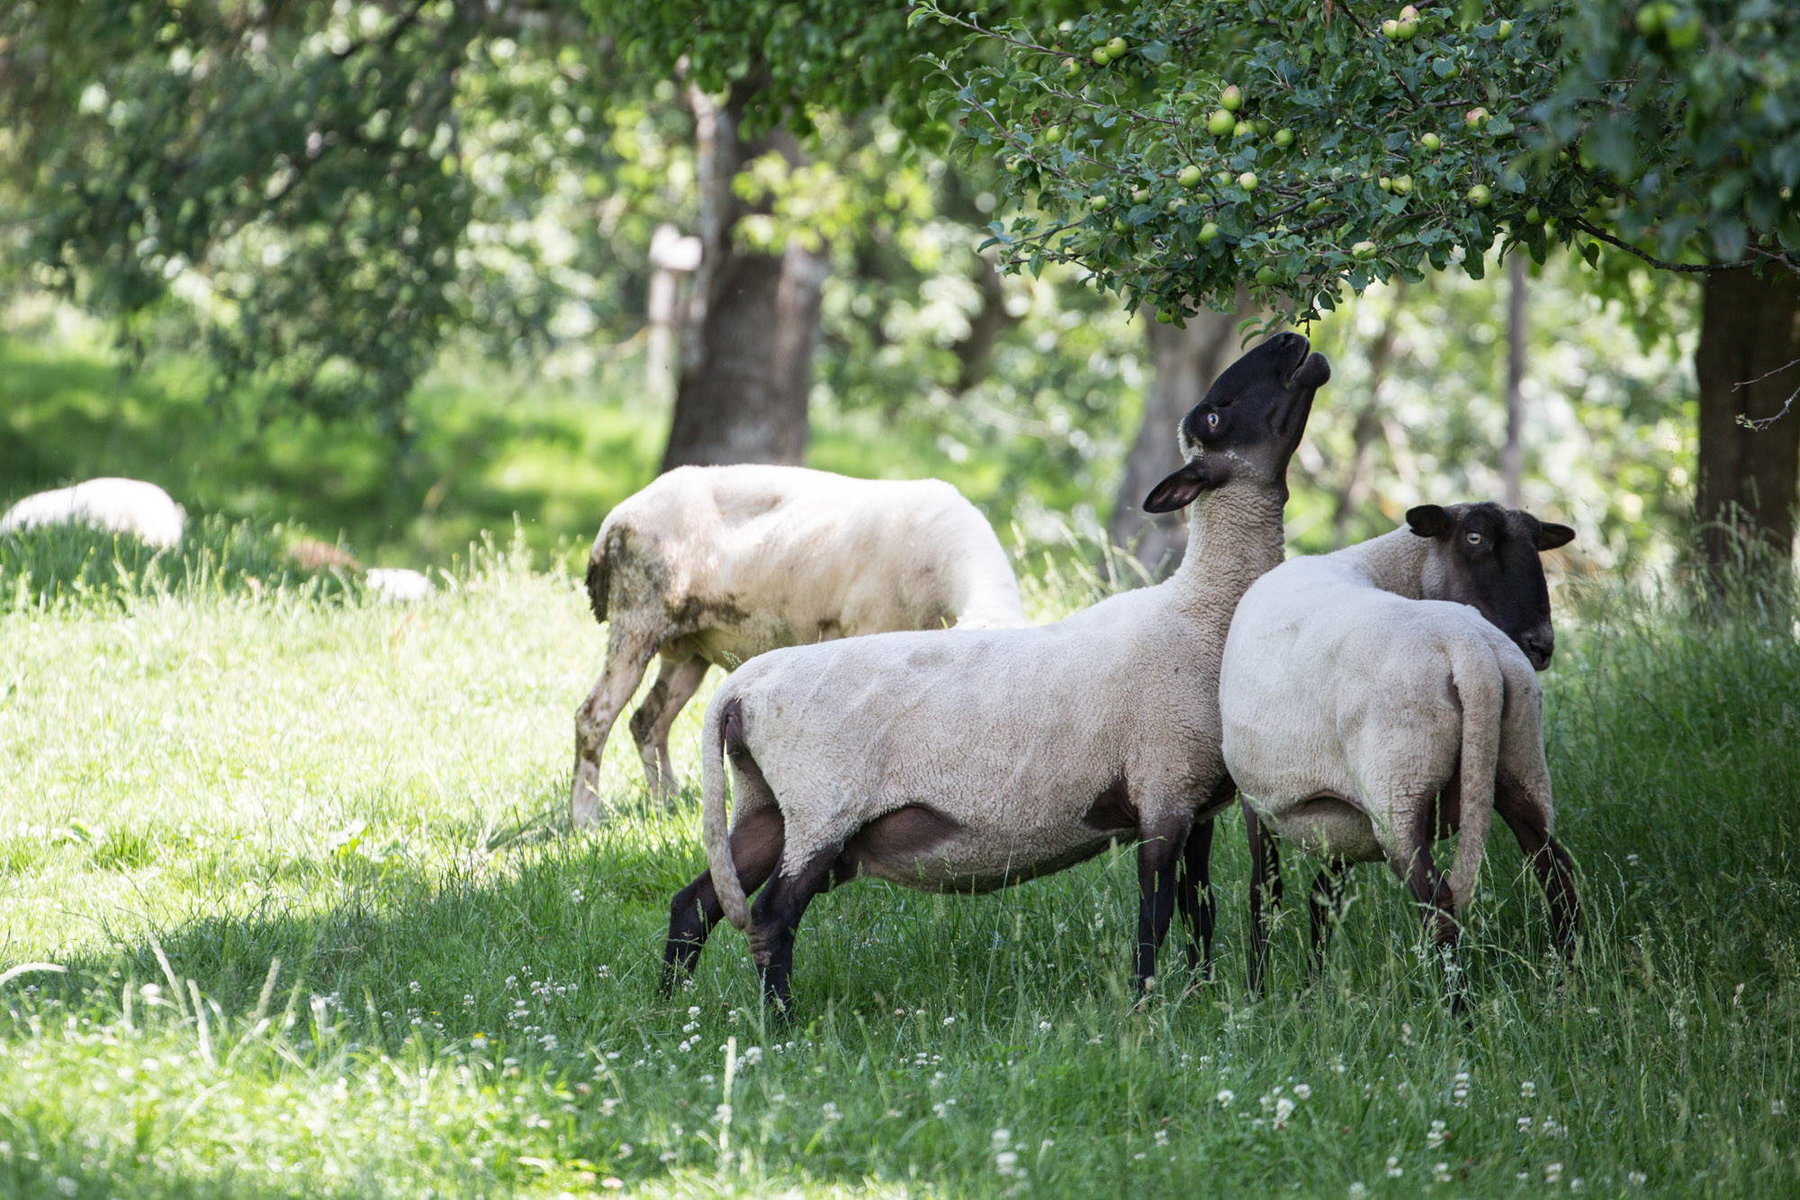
x=303 y=860
x=81 y=566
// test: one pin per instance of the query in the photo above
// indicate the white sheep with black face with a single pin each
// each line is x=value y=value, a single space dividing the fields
x=710 y=566
x=127 y=506
x=969 y=760
x=1379 y=697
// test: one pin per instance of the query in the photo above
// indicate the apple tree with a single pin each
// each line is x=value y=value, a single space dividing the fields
x=1299 y=149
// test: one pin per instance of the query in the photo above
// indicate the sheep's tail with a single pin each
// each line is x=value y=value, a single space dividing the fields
x=1481 y=687
x=715 y=818
x=599 y=576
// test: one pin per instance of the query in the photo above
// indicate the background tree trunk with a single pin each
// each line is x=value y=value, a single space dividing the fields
x=1512 y=451
x=1368 y=430
x=748 y=368
x=1748 y=364
x=1185 y=361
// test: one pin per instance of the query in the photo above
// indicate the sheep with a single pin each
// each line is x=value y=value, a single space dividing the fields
x=1360 y=687
x=127 y=506
x=969 y=760
x=714 y=565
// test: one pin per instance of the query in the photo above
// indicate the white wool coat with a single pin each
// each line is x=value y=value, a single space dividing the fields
x=116 y=505
x=758 y=557
x=1039 y=745
x=1348 y=705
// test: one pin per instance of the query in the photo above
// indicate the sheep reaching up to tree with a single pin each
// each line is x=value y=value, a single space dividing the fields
x=1380 y=697
x=973 y=759
x=714 y=565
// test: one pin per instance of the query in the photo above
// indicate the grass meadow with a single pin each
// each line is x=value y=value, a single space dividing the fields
x=301 y=856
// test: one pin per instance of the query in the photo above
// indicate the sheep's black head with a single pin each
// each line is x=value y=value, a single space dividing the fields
x=1487 y=556
x=1248 y=423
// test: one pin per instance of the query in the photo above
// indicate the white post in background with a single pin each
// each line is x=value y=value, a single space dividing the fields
x=671 y=256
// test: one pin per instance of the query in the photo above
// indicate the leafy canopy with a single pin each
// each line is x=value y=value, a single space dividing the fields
x=1181 y=149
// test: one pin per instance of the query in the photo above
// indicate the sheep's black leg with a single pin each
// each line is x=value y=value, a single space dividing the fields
x=1194 y=896
x=1551 y=864
x=775 y=916
x=1157 y=859
x=755 y=848
x=1322 y=903
x=1431 y=889
x=1265 y=884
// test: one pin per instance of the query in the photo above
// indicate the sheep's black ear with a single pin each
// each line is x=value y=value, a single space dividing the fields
x=1552 y=536
x=1429 y=520
x=1180 y=489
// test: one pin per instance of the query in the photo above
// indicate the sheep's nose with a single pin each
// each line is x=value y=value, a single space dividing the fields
x=1539 y=644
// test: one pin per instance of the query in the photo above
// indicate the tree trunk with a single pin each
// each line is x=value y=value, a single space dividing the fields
x=1512 y=457
x=1748 y=364
x=1186 y=361
x=1368 y=428
x=747 y=371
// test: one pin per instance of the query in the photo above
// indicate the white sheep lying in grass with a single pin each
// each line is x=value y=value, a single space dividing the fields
x=715 y=565
x=128 y=506
x=969 y=760
x=1380 y=697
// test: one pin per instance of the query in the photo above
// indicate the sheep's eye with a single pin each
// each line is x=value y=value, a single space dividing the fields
x=1212 y=420
x=1474 y=538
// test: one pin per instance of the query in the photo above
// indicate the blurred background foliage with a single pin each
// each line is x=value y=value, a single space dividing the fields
x=415 y=302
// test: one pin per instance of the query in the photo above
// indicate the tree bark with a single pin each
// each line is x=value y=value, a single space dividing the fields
x=1512 y=455
x=1186 y=361
x=1748 y=363
x=747 y=371
x=1368 y=428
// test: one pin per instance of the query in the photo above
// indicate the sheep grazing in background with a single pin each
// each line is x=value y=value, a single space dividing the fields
x=398 y=583
x=710 y=566
x=1377 y=698
x=125 y=506
x=401 y=584
x=972 y=759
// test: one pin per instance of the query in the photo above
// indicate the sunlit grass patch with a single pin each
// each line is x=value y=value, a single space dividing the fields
x=304 y=859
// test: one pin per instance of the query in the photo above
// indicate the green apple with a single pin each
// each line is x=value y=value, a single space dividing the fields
x=1247 y=181
x=1189 y=176
x=1266 y=275
x=1479 y=196
x=1071 y=66
x=1220 y=123
x=1284 y=138
x=1139 y=195
x=1475 y=118
x=1390 y=29
x=1117 y=47
x=1052 y=134
x=1402 y=185
x=1683 y=32
x=1430 y=141
x=1207 y=233
x=1101 y=56
x=1503 y=30
x=1165 y=316
x=1232 y=98
x=1363 y=251
x=1222 y=178
x=1385 y=184
x=1098 y=201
